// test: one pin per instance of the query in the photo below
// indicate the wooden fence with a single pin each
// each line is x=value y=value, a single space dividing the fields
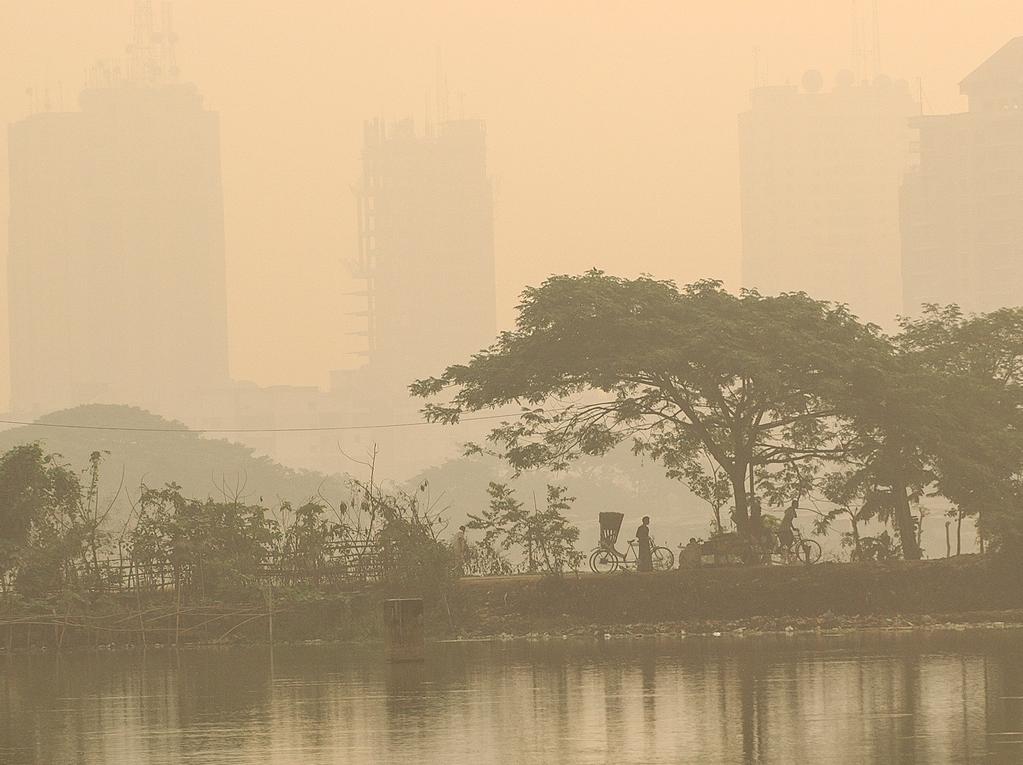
x=350 y=563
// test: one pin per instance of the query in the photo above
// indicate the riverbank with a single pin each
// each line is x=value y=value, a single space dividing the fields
x=970 y=591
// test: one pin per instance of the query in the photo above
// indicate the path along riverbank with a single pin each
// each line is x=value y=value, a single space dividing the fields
x=969 y=591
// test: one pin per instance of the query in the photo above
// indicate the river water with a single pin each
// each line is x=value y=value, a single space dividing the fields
x=871 y=697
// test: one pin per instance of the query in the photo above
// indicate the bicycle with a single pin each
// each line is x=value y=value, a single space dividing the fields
x=605 y=558
x=806 y=551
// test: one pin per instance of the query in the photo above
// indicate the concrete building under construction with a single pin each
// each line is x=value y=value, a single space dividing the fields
x=426 y=249
x=116 y=258
x=820 y=177
x=962 y=228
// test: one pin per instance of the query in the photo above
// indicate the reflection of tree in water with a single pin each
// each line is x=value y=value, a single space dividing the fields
x=614 y=712
x=551 y=696
x=912 y=698
x=221 y=687
x=1003 y=696
x=905 y=725
x=790 y=676
x=750 y=670
x=38 y=723
x=648 y=667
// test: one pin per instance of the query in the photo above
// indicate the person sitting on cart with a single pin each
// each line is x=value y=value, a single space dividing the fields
x=646 y=561
x=692 y=554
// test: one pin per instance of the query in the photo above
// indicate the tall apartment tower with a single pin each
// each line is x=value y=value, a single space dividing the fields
x=116 y=257
x=426 y=248
x=820 y=173
x=962 y=206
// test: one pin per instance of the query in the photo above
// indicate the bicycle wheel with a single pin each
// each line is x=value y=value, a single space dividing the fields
x=603 y=561
x=663 y=559
x=807 y=551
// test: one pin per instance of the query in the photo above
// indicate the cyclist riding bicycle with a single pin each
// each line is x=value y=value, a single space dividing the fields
x=786 y=531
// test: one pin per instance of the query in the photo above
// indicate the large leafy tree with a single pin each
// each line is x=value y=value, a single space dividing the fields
x=42 y=520
x=977 y=455
x=947 y=419
x=751 y=381
x=890 y=442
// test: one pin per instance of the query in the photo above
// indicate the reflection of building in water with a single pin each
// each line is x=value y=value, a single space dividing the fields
x=116 y=260
x=820 y=173
x=962 y=229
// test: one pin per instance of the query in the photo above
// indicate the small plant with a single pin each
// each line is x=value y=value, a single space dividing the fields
x=544 y=538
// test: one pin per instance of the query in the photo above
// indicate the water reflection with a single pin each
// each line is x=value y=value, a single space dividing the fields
x=953 y=697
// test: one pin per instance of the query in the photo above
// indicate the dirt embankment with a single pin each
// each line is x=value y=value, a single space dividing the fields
x=969 y=589
x=957 y=591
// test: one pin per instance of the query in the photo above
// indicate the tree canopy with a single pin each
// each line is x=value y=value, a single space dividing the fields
x=596 y=359
x=758 y=388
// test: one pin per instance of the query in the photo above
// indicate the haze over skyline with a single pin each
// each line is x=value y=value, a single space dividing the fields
x=620 y=154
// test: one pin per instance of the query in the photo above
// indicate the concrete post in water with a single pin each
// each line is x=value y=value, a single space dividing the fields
x=403 y=629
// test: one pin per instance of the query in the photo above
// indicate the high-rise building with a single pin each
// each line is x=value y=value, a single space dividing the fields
x=820 y=177
x=962 y=205
x=116 y=257
x=426 y=248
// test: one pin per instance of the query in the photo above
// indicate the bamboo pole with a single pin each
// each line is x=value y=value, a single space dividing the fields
x=138 y=603
x=270 y=594
x=177 y=606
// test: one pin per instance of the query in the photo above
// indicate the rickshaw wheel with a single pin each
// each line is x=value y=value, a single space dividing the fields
x=603 y=561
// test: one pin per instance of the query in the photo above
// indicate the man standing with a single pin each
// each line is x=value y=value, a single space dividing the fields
x=646 y=562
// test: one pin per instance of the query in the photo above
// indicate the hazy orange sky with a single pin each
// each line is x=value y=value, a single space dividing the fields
x=612 y=126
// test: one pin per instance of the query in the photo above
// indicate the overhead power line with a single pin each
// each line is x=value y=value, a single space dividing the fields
x=379 y=426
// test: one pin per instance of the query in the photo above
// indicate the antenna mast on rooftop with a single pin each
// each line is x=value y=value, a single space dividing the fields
x=151 y=56
x=442 y=90
x=759 y=69
x=866 y=45
x=876 y=42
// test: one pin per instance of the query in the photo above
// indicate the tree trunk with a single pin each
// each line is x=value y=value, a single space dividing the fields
x=959 y=532
x=741 y=504
x=904 y=522
x=856 y=536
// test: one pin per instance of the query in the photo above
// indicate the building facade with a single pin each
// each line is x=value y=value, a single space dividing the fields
x=820 y=172
x=426 y=249
x=116 y=256
x=962 y=204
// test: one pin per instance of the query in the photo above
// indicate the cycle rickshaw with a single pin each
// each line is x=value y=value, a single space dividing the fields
x=606 y=558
